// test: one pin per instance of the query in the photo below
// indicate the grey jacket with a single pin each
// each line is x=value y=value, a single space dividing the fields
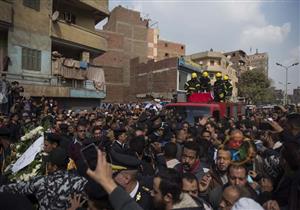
x=121 y=200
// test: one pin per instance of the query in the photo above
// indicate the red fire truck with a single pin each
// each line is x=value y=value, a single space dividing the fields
x=201 y=106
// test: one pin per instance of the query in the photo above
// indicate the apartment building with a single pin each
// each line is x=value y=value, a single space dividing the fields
x=49 y=46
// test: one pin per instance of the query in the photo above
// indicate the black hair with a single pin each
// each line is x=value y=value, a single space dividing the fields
x=96 y=128
x=190 y=177
x=294 y=120
x=205 y=131
x=137 y=144
x=170 y=182
x=236 y=166
x=291 y=153
x=192 y=145
x=170 y=150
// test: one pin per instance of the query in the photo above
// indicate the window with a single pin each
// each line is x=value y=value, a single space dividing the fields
x=166 y=54
x=182 y=47
x=211 y=75
x=219 y=62
x=212 y=62
x=31 y=59
x=33 y=4
x=166 y=44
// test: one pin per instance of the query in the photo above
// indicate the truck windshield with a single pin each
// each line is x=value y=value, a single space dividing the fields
x=190 y=113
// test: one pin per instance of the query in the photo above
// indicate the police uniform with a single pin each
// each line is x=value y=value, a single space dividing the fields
x=140 y=193
x=143 y=197
x=116 y=145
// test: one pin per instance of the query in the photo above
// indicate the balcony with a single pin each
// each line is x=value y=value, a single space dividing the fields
x=76 y=36
x=98 y=7
x=6 y=13
x=101 y=6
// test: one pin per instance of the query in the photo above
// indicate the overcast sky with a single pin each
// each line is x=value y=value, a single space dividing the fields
x=269 y=26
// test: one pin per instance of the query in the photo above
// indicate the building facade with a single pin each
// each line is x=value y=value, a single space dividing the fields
x=167 y=49
x=214 y=62
x=50 y=46
x=259 y=61
x=239 y=60
x=296 y=96
x=128 y=36
x=162 y=79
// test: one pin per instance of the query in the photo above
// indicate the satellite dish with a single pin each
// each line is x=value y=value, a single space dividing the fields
x=55 y=16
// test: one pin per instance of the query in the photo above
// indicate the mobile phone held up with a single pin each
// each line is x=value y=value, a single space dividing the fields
x=89 y=155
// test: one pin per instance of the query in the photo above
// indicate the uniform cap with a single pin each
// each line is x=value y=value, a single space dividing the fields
x=226 y=77
x=121 y=161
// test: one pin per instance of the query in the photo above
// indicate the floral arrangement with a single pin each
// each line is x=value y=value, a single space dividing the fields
x=35 y=167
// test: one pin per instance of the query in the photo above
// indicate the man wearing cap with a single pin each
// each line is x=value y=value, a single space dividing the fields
x=126 y=177
x=54 y=190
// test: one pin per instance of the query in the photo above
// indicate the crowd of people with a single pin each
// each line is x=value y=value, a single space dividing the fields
x=221 y=89
x=132 y=156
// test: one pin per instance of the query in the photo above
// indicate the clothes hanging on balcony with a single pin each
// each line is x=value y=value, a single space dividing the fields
x=83 y=65
x=96 y=74
x=76 y=64
x=69 y=62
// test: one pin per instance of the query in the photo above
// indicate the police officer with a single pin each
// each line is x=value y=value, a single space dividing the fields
x=205 y=85
x=126 y=169
x=192 y=86
x=228 y=88
x=219 y=88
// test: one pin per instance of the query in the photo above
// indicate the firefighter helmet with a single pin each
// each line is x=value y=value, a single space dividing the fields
x=205 y=74
x=218 y=75
x=226 y=77
x=194 y=75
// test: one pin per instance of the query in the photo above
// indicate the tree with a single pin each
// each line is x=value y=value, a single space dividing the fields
x=255 y=86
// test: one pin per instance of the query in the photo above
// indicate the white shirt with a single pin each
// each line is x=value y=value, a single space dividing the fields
x=134 y=191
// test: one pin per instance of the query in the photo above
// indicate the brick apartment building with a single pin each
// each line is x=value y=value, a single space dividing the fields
x=129 y=36
x=162 y=79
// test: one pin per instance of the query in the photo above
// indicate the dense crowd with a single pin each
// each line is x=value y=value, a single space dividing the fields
x=137 y=156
